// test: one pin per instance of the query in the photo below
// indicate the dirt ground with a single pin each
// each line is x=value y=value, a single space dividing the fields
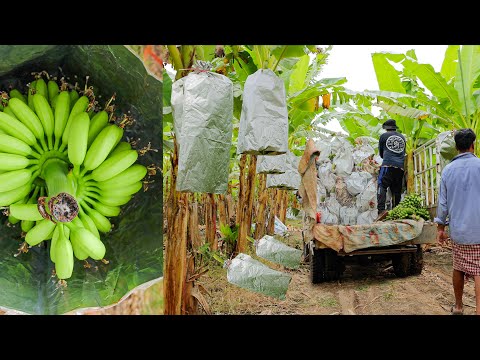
x=368 y=289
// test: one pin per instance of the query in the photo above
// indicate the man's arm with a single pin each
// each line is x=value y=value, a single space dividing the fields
x=442 y=211
x=381 y=144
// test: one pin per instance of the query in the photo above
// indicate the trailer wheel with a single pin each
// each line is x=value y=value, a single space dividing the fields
x=416 y=261
x=334 y=266
x=401 y=264
x=317 y=265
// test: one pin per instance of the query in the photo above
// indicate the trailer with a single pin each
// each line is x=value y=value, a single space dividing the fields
x=328 y=248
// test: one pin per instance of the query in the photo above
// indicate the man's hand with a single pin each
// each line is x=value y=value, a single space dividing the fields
x=441 y=237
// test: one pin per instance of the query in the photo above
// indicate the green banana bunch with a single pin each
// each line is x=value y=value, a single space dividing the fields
x=64 y=170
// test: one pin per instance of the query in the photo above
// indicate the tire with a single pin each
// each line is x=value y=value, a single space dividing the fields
x=333 y=265
x=317 y=266
x=325 y=265
x=401 y=264
x=416 y=261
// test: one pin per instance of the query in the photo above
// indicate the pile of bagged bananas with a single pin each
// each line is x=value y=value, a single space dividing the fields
x=64 y=169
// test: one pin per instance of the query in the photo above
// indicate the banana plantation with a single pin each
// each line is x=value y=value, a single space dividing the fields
x=208 y=222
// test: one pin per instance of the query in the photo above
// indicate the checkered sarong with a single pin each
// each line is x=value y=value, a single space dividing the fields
x=466 y=258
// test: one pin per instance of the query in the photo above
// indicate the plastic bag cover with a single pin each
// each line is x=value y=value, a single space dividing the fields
x=271 y=164
x=206 y=133
x=251 y=274
x=276 y=251
x=357 y=182
x=290 y=179
x=264 y=119
x=134 y=246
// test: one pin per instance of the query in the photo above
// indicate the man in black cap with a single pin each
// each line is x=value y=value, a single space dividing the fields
x=391 y=148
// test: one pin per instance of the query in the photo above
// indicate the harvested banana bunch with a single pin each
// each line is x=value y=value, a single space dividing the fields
x=64 y=170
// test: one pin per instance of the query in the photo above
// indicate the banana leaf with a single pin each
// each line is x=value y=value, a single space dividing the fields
x=135 y=245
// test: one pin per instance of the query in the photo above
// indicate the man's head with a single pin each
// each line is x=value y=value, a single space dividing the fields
x=465 y=140
x=390 y=125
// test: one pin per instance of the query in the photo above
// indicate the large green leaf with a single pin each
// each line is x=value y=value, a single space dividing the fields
x=435 y=83
x=387 y=76
x=167 y=89
x=449 y=65
x=297 y=78
x=408 y=112
x=286 y=51
x=468 y=70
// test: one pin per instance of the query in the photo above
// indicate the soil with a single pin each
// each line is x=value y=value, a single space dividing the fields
x=363 y=289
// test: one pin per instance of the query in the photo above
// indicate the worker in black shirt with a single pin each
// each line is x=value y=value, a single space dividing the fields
x=391 y=148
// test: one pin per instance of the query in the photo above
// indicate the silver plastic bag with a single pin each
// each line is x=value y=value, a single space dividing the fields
x=276 y=251
x=332 y=204
x=290 y=179
x=325 y=150
x=326 y=217
x=357 y=182
x=326 y=177
x=343 y=159
x=206 y=133
x=271 y=164
x=367 y=199
x=348 y=215
x=250 y=274
x=362 y=152
x=263 y=125
x=367 y=217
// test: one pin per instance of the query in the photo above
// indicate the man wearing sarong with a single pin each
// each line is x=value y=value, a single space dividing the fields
x=459 y=203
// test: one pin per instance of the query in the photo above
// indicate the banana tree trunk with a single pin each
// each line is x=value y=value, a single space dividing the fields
x=410 y=173
x=262 y=207
x=230 y=209
x=283 y=206
x=222 y=210
x=193 y=234
x=211 y=222
x=241 y=191
x=272 y=209
x=175 y=260
x=244 y=212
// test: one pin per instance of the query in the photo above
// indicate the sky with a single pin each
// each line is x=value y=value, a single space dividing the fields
x=355 y=63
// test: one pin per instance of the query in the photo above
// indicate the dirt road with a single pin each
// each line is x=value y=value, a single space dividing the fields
x=367 y=289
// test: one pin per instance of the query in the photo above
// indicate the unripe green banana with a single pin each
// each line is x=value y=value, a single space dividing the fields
x=12 y=145
x=105 y=210
x=14 y=162
x=27 y=225
x=31 y=92
x=62 y=111
x=79 y=253
x=63 y=256
x=98 y=122
x=9 y=197
x=134 y=173
x=16 y=129
x=77 y=144
x=43 y=230
x=79 y=107
x=26 y=212
x=101 y=146
x=101 y=222
x=53 y=89
x=8 y=110
x=53 y=243
x=73 y=98
x=126 y=190
x=28 y=117
x=88 y=242
x=88 y=223
x=45 y=114
x=112 y=200
x=41 y=88
x=12 y=219
x=114 y=165
x=14 y=93
x=121 y=146
x=53 y=102
x=12 y=180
